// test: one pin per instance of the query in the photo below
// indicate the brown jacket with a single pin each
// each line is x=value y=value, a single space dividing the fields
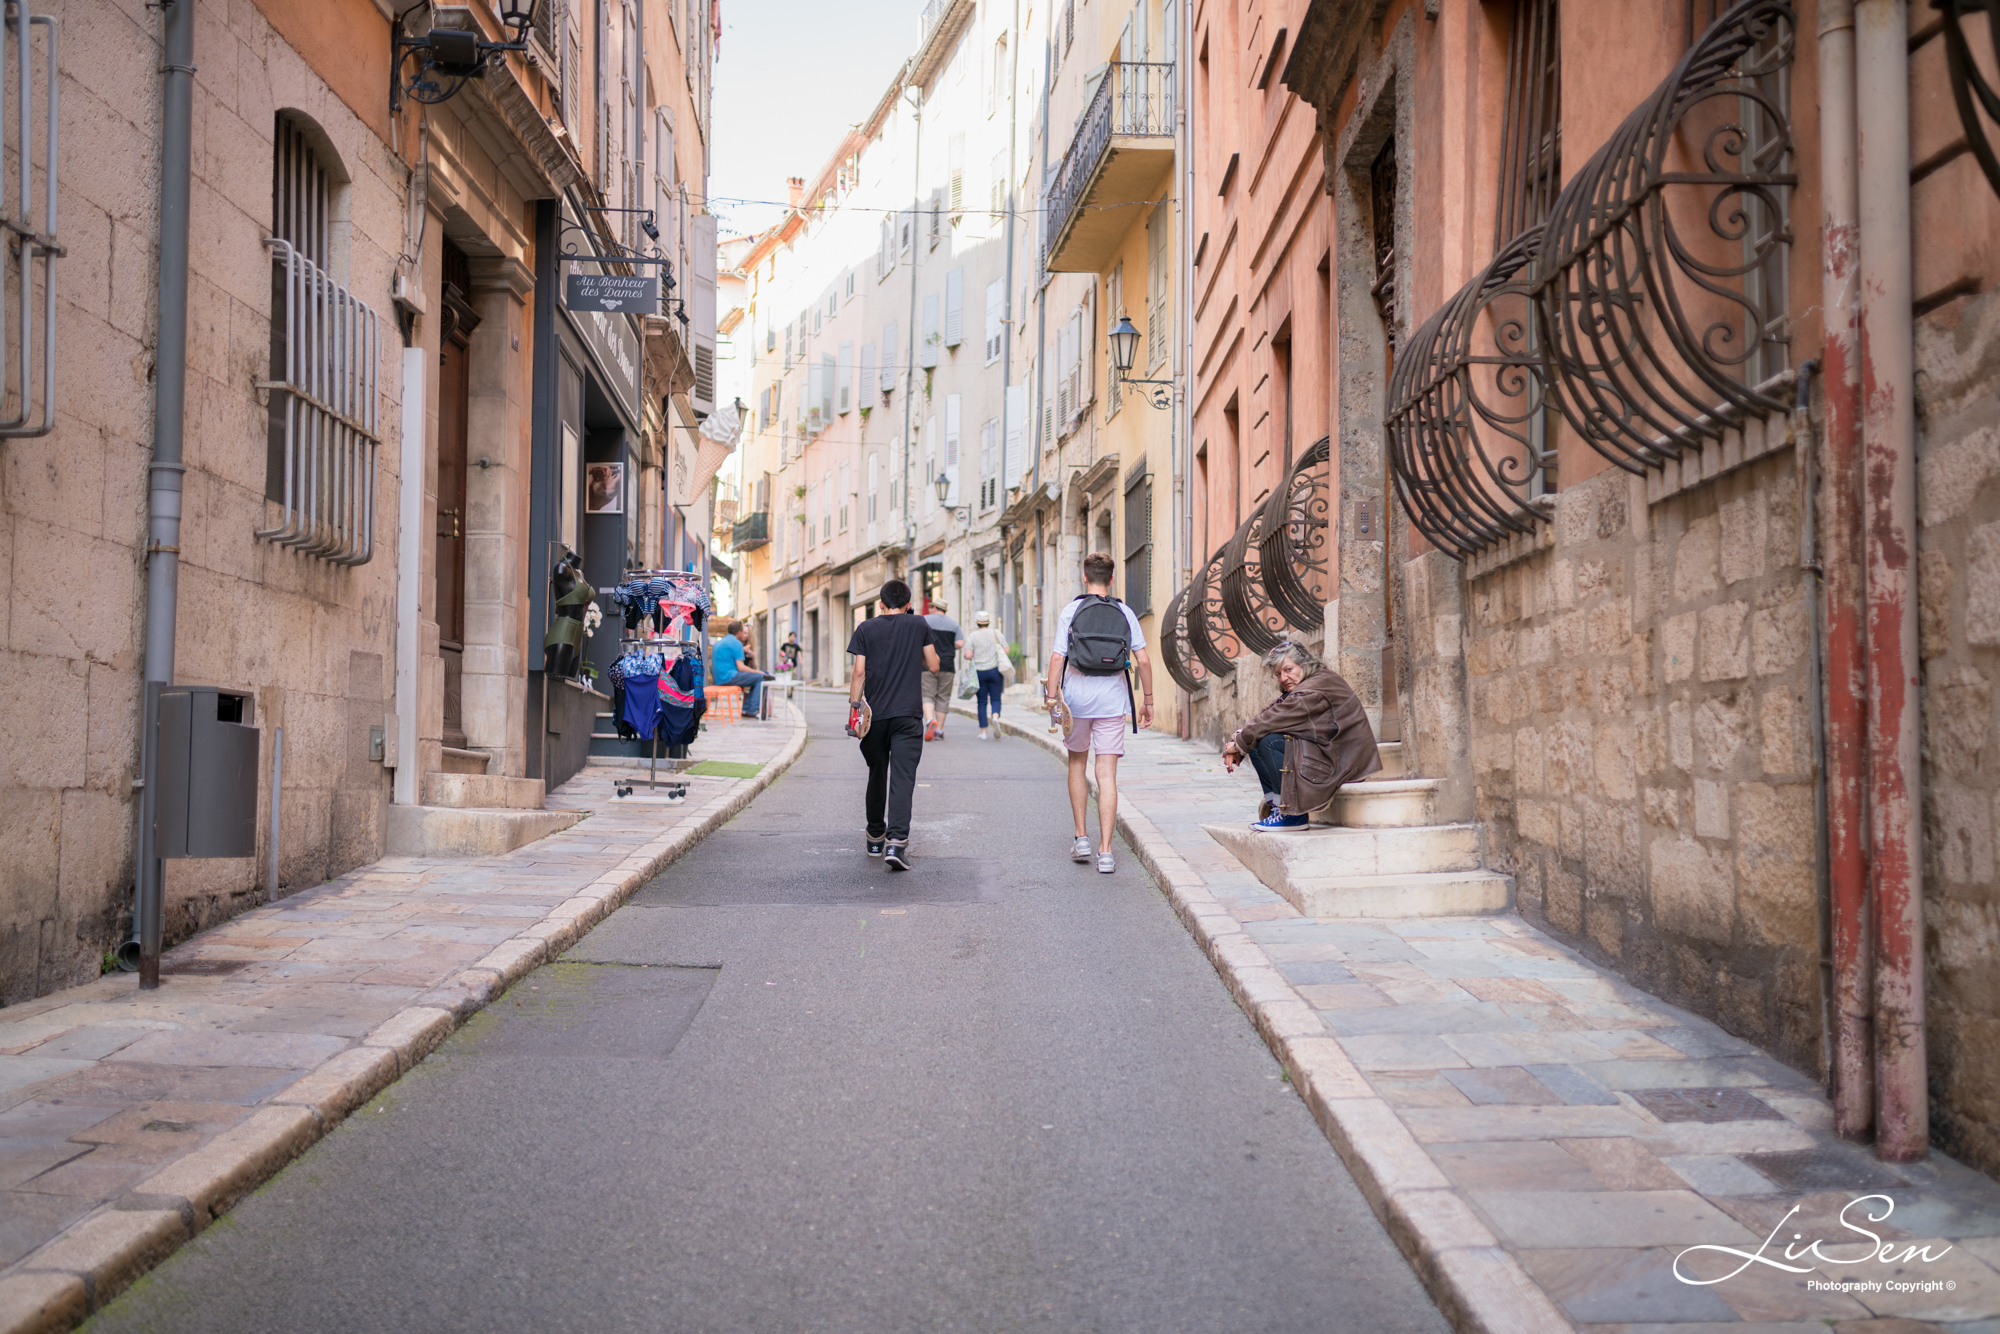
x=1328 y=740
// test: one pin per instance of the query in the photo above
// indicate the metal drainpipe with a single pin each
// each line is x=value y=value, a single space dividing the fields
x=1888 y=380
x=164 y=500
x=1845 y=701
x=910 y=365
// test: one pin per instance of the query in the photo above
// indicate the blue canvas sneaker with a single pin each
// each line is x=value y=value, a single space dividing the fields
x=1276 y=821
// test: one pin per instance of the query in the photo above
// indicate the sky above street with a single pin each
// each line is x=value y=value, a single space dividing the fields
x=791 y=76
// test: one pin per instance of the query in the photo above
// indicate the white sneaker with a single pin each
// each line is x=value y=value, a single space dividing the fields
x=1079 y=851
x=1105 y=864
x=983 y=736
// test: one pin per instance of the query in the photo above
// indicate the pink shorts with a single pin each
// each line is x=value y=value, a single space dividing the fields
x=1107 y=735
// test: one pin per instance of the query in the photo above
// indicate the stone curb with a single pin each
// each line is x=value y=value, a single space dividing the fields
x=1480 y=1288
x=65 y=1280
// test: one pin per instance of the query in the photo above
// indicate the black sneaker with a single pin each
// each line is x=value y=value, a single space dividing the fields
x=897 y=856
x=874 y=845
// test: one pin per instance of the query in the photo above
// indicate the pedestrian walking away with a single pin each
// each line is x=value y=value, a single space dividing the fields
x=1306 y=743
x=892 y=652
x=949 y=640
x=1099 y=642
x=986 y=656
x=735 y=665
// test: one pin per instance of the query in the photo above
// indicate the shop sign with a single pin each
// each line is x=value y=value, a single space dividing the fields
x=613 y=293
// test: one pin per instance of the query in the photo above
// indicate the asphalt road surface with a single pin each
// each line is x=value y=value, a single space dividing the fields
x=786 y=1089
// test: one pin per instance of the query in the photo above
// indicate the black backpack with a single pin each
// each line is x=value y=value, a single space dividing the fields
x=1100 y=638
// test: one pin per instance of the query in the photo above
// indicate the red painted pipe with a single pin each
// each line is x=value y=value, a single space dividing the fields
x=1846 y=680
x=1889 y=431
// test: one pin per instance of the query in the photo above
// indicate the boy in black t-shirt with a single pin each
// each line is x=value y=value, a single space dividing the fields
x=891 y=653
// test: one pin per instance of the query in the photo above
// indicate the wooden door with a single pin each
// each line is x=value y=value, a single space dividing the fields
x=454 y=384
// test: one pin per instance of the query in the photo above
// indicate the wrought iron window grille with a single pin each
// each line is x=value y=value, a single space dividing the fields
x=31 y=230
x=1177 y=649
x=1660 y=336
x=1468 y=406
x=1209 y=631
x=1651 y=311
x=1294 y=545
x=331 y=387
x=1969 y=88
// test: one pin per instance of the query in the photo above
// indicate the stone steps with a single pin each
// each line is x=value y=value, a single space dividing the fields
x=477 y=791
x=1332 y=851
x=1393 y=764
x=444 y=831
x=458 y=761
x=1393 y=803
x=1409 y=871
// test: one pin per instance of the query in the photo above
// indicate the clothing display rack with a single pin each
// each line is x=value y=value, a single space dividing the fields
x=675 y=608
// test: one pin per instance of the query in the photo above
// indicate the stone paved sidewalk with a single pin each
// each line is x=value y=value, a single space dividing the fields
x=130 y=1119
x=1543 y=1140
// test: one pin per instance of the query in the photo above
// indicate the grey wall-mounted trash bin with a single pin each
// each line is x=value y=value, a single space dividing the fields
x=206 y=801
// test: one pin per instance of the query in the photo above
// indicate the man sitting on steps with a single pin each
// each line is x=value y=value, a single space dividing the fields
x=1304 y=744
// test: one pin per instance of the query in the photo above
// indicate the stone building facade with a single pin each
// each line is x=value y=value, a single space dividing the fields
x=394 y=651
x=1663 y=665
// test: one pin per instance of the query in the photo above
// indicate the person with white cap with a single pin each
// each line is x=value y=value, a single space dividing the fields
x=986 y=652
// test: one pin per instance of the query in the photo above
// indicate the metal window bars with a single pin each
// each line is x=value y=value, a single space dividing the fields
x=1133 y=98
x=1970 y=89
x=1650 y=312
x=31 y=232
x=332 y=387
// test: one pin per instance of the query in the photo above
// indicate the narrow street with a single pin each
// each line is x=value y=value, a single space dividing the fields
x=786 y=1089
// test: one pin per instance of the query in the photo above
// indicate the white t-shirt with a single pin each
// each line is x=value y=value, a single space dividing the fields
x=1095 y=696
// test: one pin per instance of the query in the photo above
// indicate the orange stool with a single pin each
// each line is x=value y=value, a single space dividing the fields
x=725 y=705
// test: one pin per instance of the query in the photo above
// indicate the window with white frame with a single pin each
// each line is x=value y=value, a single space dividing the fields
x=989 y=462
x=996 y=301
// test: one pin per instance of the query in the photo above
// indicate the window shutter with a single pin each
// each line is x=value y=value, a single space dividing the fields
x=952 y=404
x=892 y=356
x=989 y=462
x=999 y=204
x=843 y=496
x=930 y=464
x=954 y=307
x=1013 y=459
x=866 y=383
x=702 y=322
x=957 y=176
x=1156 y=288
x=927 y=354
x=1139 y=539
x=845 y=374
x=1065 y=401
x=1086 y=348
x=826 y=373
x=996 y=297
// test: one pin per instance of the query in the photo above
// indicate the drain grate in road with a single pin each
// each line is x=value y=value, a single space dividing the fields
x=1723 y=1104
x=1824 y=1168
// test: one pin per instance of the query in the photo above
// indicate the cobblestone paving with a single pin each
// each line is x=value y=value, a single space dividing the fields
x=1570 y=1112
x=103 y=1086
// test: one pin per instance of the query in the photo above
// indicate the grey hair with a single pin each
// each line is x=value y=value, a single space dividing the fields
x=1290 y=651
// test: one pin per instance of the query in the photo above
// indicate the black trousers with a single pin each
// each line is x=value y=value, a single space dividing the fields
x=892 y=748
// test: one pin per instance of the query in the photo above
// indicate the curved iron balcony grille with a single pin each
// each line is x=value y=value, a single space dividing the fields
x=1293 y=547
x=1969 y=88
x=1650 y=311
x=1661 y=275
x=1259 y=626
x=1208 y=625
x=1176 y=650
x=1133 y=98
x=1468 y=410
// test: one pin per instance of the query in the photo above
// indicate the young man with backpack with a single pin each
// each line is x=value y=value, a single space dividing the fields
x=1088 y=690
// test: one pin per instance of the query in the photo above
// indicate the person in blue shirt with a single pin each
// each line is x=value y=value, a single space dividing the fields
x=732 y=668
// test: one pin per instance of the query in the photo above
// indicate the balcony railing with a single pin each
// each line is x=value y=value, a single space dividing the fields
x=1132 y=100
x=752 y=530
